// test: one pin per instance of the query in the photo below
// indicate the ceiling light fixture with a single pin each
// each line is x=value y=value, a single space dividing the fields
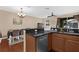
x=21 y=14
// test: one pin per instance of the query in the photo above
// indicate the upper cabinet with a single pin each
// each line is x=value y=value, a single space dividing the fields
x=66 y=23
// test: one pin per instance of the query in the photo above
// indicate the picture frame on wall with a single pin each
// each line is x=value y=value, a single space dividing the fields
x=17 y=21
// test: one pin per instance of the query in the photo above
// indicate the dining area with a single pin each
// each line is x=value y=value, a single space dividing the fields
x=14 y=42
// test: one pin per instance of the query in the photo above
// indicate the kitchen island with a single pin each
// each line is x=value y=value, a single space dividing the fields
x=37 y=41
x=57 y=41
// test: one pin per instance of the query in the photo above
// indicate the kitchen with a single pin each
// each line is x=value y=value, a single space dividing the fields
x=43 y=31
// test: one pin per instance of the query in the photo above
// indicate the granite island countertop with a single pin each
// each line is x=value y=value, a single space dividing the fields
x=41 y=33
x=38 y=34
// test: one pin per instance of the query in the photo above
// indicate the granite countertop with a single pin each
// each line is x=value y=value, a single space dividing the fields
x=38 y=34
x=69 y=33
x=43 y=33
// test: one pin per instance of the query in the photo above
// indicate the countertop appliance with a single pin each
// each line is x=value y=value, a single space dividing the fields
x=40 y=25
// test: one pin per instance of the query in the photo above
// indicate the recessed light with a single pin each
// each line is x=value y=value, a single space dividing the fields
x=47 y=8
x=28 y=6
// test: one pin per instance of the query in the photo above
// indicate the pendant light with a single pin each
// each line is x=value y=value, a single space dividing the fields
x=21 y=14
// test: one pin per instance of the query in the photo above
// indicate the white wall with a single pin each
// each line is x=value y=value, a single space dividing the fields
x=6 y=22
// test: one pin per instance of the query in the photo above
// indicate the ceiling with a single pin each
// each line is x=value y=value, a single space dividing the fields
x=42 y=11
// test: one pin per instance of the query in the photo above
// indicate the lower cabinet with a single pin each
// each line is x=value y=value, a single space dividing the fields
x=30 y=44
x=71 y=46
x=58 y=44
x=49 y=41
x=65 y=42
x=16 y=47
x=4 y=46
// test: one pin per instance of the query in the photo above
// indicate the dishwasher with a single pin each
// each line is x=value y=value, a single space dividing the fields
x=42 y=43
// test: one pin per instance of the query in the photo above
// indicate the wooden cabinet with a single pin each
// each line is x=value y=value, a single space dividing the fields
x=49 y=41
x=57 y=43
x=30 y=43
x=65 y=42
x=4 y=46
x=71 y=46
x=16 y=47
x=72 y=43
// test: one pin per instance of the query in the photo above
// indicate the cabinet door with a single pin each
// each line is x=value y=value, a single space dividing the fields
x=58 y=44
x=4 y=46
x=71 y=46
x=49 y=41
x=17 y=47
x=30 y=44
